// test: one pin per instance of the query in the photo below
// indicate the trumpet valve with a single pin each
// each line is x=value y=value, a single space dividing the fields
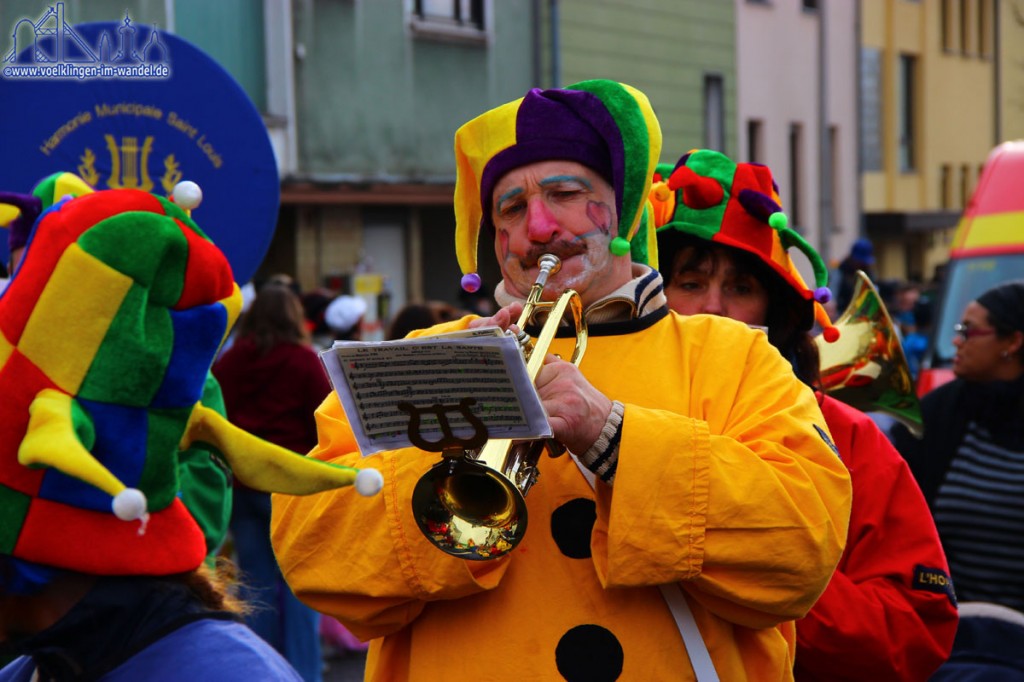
x=525 y=342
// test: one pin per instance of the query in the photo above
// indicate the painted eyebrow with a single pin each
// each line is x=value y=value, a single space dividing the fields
x=508 y=195
x=555 y=179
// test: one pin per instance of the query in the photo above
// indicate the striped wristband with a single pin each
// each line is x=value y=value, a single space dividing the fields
x=603 y=456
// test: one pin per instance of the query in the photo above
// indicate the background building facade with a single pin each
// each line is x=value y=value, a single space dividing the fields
x=929 y=103
x=797 y=111
x=875 y=115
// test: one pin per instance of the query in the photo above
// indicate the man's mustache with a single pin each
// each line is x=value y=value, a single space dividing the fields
x=561 y=249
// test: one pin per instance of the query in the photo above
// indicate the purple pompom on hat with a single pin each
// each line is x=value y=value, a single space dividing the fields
x=19 y=229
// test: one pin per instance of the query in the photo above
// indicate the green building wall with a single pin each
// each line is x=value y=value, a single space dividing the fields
x=662 y=47
x=374 y=102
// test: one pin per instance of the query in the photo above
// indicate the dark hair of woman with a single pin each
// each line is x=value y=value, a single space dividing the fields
x=1003 y=330
x=214 y=586
x=786 y=315
x=415 y=316
x=275 y=316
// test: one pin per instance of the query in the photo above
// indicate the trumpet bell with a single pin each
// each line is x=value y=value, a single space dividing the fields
x=866 y=367
x=469 y=510
x=472 y=503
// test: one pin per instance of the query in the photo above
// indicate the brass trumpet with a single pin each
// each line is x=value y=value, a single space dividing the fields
x=471 y=504
x=866 y=367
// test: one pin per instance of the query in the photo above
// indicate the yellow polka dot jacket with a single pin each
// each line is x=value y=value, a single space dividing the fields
x=726 y=485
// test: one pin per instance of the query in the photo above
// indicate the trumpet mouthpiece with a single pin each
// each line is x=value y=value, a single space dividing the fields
x=549 y=264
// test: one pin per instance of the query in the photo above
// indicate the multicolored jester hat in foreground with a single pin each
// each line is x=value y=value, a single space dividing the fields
x=109 y=327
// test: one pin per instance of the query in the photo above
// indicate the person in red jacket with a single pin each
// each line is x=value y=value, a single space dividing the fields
x=889 y=611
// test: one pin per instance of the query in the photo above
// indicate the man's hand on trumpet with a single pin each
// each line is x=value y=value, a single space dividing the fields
x=576 y=410
x=504 y=318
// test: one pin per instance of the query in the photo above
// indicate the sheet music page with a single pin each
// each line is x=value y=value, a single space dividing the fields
x=433 y=374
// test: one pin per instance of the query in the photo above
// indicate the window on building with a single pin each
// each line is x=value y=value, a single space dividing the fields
x=809 y=5
x=870 y=109
x=946 y=21
x=755 y=134
x=466 y=19
x=985 y=23
x=946 y=187
x=907 y=112
x=795 y=152
x=965 y=185
x=965 y=26
x=714 y=113
x=468 y=13
x=833 y=147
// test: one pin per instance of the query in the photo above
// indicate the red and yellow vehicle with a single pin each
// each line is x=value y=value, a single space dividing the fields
x=987 y=249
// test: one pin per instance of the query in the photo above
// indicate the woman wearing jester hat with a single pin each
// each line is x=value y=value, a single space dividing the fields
x=107 y=333
x=888 y=613
x=698 y=510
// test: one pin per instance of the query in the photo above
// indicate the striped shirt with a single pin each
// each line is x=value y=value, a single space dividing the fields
x=979 y=512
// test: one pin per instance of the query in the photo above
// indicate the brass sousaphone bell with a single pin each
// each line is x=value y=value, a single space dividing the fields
x=865 y=367
x=472 y=503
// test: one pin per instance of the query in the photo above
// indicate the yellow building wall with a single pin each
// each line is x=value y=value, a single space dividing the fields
x=955 y=97
x=954 y=112
x=1011 y=77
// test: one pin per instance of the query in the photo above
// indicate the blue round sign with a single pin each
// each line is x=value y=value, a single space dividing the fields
x=125 y=105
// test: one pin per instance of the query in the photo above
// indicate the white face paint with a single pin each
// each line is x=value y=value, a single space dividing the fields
x=564 y=208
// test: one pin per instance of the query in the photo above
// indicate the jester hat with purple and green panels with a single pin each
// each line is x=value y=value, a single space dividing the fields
x=606 y=126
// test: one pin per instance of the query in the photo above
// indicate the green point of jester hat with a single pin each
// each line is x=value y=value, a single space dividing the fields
x=607 y=126
x=107 y=333
x=716 y=199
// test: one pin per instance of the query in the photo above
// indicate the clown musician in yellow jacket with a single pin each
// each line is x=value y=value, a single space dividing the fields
x=700 y=469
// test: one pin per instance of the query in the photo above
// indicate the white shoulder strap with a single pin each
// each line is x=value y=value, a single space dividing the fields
x=693 y=642
x=700 y=659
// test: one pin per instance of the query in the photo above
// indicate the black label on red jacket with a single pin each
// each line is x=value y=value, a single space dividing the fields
x=934 y=580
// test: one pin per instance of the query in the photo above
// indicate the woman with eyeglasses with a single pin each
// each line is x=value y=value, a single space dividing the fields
x=970 y=464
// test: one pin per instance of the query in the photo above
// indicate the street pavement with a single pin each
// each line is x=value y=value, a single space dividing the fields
x=347 y=668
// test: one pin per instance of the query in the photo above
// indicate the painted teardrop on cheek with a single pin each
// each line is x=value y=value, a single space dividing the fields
x=600 y=214
x=503 y=238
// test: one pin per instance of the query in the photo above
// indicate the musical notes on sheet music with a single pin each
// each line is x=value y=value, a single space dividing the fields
x=373 y=378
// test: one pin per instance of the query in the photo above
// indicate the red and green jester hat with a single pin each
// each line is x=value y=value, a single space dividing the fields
x=108 y=329
x=710 y=196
